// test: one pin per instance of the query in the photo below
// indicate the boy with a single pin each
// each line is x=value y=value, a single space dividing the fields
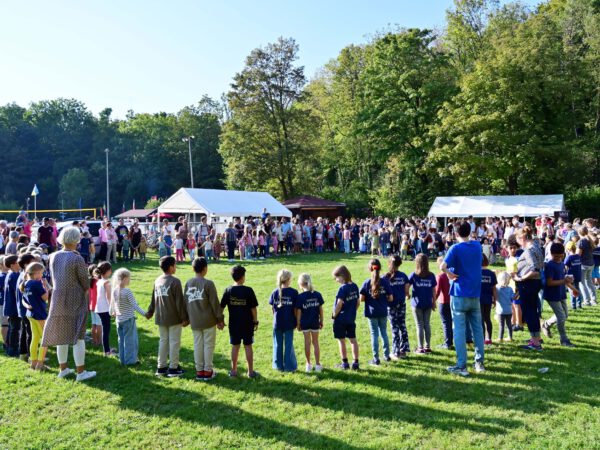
x=25 y=334
x=126 y=247
x=556 y=295
x=11 y=247
x=573 y=265
x=205 y=316
x=10 y=305
x=171 y=315
x=243 y=320
x=84 y=247
x=3 y=318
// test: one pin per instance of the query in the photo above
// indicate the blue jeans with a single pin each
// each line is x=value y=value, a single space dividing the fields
x=128 y=341
x=284 y=357
x=378 y=326
x=168 y=242
x=466 y=311
x=446 y=317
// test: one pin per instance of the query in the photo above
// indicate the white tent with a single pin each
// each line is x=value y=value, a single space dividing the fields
x=222 y=203
x=497 y=205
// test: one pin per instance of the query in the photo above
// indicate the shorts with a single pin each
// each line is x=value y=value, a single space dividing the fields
x=311 y=330
x=344 y=330
x=516 y=302
x=237 y=338
x=95 y=318
x=596 y=272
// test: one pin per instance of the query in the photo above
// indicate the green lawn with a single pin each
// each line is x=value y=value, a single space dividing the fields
x=412 y=403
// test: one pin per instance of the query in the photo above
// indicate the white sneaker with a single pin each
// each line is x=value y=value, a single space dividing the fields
x=309 y=367
x=479 y=367
x=318 y=368
x=65 y=373
x=85 y=375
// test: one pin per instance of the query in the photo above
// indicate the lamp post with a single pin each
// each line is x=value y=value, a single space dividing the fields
x=107 y=187
x=188 y=139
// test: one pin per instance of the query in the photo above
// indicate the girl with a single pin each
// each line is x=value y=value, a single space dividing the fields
x=504 y=294
x=282 y=301
x=487 y=249
x=511 y=268
x=487 y=299
x=346 y=238
x=375 y=244
x=262 y=244
x=442 y=296
x=35 y=295
x=397 y=308
x=319 y=241
x=362 y=243
x=162 y=248
x=103 y=305
x=191 y=246
x=309 y=315
x=208 y=248
x=217 y=247
x=274 y=243
x=178 y=244
x=95 y=318
x=404 y=247
x=142 y=248
x=423 y=301
x=248 y=245
x=376 y=293
x=347 y=301
x=123 y=307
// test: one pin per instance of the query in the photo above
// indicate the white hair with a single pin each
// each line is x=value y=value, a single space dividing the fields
x=69 y=236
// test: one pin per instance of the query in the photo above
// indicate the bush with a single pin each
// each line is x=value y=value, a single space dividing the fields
x=583 y=202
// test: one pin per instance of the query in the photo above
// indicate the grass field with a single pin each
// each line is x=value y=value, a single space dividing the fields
x=412 y=403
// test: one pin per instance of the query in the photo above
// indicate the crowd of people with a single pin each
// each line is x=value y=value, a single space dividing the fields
x=49 y=288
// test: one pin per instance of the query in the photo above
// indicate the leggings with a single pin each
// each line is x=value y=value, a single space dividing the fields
x=422 y=317
x=486 y=320
x=62 y=353
x=504 y=320
x=528 y=293
x=37 y=328
x=105 y=319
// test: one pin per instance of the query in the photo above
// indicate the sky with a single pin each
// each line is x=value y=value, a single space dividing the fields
x=151 y=56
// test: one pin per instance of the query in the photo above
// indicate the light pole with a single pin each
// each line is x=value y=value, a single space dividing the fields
x=188 y=139
x=107 y=187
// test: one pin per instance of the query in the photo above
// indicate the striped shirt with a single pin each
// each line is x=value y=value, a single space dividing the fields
x=123 y=305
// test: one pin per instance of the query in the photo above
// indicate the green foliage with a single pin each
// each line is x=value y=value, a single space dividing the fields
x=584 y=201
x=154 y=203
x=74 y=185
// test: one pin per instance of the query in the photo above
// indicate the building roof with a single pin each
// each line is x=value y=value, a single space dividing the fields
x=309 y=202
x=135 y=213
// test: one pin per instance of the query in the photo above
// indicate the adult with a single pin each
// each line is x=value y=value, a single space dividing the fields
x=135 y=236
x=462 y=264
x=355 y=235
x=182 y=232
x=111 y=245
x=203 y=231
x=45 y=234
x=230 y=241
x=585 y=250
x=103 y=241
x=167 y=235
x=529 y=283
x=67 y=317
x=122 y=231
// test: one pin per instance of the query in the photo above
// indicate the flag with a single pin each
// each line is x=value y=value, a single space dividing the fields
x=35 y=191
x=133 y=205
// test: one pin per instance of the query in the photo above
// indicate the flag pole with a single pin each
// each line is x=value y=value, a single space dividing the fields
x=35 y=207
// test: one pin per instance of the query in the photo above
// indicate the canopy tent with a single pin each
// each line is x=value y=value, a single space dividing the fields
x=136 y=214
x=497 y=206
x=222 y=203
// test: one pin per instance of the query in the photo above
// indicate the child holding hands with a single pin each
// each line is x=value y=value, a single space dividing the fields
x=309 y=315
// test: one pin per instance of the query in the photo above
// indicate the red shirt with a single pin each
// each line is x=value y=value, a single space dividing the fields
x=93 y=294
x=442 y=289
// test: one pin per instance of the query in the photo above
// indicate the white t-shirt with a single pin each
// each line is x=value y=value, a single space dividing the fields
x=102 y=305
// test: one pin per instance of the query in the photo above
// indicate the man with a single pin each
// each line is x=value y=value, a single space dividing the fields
x=462 y=264
x=45 y=234
x=203 y=231
x=121 y=231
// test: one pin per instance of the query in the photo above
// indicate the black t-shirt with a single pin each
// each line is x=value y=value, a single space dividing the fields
x=240 y=230
x=239 y=301
x=45 y=235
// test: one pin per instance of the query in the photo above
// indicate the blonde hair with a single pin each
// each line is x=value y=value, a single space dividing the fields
x=283 y=276
x=305 y=281
x=503 y=279
x=31 y=268
x=118 y=276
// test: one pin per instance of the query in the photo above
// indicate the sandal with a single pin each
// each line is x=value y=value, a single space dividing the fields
x=233 y=373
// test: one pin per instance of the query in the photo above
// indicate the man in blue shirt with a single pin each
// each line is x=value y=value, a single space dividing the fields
x=462 y=264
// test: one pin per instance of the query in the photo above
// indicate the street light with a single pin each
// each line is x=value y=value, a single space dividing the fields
x=188 y=139
x=107 y=187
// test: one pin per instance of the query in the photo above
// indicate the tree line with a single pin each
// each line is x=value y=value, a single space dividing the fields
x=504 y=100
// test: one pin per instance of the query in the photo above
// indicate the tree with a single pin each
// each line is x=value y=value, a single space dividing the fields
x=74 y=186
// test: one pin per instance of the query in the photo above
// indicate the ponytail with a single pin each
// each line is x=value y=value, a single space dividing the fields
x=394 y=263
x=283 y=277
x=305 y=281
x=375 y=268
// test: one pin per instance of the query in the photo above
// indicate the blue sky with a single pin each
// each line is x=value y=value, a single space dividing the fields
x=153 y=56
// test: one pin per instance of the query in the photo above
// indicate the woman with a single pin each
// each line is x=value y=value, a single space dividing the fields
x=67 y=317
x=585 y=250
x=528 y=279
x=135 y=236
x=111 y=235
x=167 y=235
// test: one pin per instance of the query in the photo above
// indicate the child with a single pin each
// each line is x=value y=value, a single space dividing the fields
x=208 y=248
x=262 y=244
x=162 y=248
x=362 y=243
x=319 y=242
x=142 y=248
x=178 y=244
x=191 y=246
x=126 y=243
x=486 y=249
x=309 y=315
x=242 y=306
x=397 y=308
x=556 y=295
x=84 y=247
x=573 y=266
x=274 y=242
x=346 y=238
x=375 y=244
x=376 y=294
x=3 y=319
x=442 y=295
x=35 y=295
x=504 y=296
x=103 y=305
x=242 y=247
x=596 y=256
x=10 y=305
x=94 y=275
x=423 y=283
x=511 y=267
x=217 y=247
x=283 y=300
x=404 y=247
x=124 y=307
x=205 y=315
x=487 y=298
x=347 y=301
x=171 y=315
x=248 y=244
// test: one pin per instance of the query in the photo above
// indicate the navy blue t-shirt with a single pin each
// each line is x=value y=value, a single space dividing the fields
x=10 y=295
x=397 y=282
x=556 y=271
x=422 y=290
x=596 y=255
x=488 y=284
x=2 y=281
x=573 y=264
x=309 y=304
x=34 y=289
x=464 y=259
x=239 y=300
x=20 y=306
x=348 y=294
x=283 y=315
x=376 y=305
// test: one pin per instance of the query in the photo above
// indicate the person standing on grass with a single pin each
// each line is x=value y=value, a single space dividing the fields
x=487 y=298
x=504 y=312
x=585 y=249
x=347 y=301
x=242 y=307
x=309 y=314
x=462 y=265
x=283 y=300
x=397 y=308
x=103 y=305
x=442 y=297
x=423 y=284
x=35 y=297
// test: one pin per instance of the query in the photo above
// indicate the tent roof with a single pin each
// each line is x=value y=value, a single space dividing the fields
x=497 y=205
x=135 y=213
x=218 y=202
x=307 y=201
